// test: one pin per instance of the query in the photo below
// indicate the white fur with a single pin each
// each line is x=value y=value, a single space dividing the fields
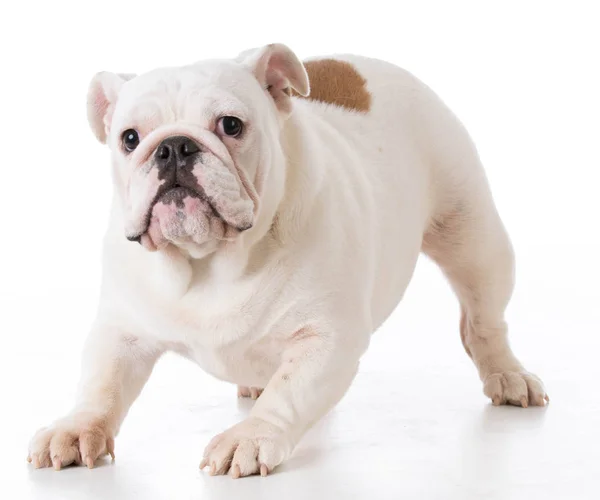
x=346 y=203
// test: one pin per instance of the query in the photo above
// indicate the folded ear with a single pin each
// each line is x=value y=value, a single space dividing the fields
x=101 y=100
x=278 y=70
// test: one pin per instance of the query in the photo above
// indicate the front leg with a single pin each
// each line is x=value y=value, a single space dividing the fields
x=115 y=367
x=313 y=376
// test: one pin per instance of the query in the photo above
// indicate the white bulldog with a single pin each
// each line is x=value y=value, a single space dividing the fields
x=278 y=228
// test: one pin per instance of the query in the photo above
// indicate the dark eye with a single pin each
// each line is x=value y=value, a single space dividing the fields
x=231 y=126
x=131 y=139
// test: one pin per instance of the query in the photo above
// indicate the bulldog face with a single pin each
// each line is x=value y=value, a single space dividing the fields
x=192 y=147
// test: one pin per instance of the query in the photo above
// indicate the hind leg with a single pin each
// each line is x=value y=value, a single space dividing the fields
x=469 y=242
x=249 y=392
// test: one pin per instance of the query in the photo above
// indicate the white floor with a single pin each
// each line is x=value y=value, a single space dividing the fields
x=414 y=425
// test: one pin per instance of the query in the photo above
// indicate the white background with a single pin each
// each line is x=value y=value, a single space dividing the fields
x=524 y=78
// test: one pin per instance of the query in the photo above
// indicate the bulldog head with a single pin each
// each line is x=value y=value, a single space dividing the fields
x=193 y=148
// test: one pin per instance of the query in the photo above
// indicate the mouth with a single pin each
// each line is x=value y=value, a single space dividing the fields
x=182 y=216
x=174 y=194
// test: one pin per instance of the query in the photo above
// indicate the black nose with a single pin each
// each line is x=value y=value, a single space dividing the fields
x=175 y=151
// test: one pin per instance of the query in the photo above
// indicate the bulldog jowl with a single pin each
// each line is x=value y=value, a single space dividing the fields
x=181 y=215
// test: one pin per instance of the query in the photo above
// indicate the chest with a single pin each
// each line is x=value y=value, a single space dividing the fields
x=234 y=332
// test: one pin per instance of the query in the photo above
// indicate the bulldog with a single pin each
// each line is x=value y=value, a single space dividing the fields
x=267 y=218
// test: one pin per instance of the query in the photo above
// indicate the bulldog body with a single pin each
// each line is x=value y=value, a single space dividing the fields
x=270 y=255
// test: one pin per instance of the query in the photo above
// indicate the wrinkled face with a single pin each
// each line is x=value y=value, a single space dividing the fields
x=192 y=147
x=186 y=146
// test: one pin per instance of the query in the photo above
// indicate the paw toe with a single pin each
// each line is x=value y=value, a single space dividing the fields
x=245 y=458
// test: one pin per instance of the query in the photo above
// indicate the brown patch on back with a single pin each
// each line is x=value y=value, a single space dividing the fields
x=337 y=82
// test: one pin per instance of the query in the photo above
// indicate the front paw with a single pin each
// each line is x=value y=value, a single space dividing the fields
x=515 y=388
x=78 y=439
x=250 y=447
